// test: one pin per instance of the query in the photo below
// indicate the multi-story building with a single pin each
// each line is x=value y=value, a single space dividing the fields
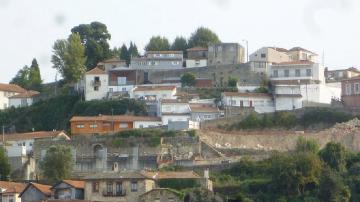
x=158 y=60
x=112 y=63
x=7 y=91
x=96 y=84
x=301 y=54
x=103 y=124
x=9 y=191
x=339 y=74
x=172 y=110
x=261 y=59
x=196 y=57
x=117 y=186
x=350 y=92
x=226 y=54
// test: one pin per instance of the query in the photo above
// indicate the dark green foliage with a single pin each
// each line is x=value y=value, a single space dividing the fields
x=124 y=53
x=232 y=82
x=334 y=155
x=95 y=37
x=203 y=37
x=179 y=44
x=55 y=113
x=332 y=187
x=127 y=53
x=208 y=93
x=304 y=145
x=324 y=115
x=4 y=165
x=29 y=77
x=188 y=79
x=261 y=90
x=178 y=184
x=57 y=163
x=158 y=43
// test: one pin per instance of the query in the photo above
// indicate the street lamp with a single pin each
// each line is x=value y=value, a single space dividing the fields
x=247 y=49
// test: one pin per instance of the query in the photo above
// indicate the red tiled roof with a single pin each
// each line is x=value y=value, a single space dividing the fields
x=154 y=88
x=125 y=118
x=172 y=175
x=96 y=70
x=12 y=187
x=11 y=88
x=44 y=189
x=34 y=135
x=26 y=94
x=237 y=94
x=289 y=95
x=74 y=183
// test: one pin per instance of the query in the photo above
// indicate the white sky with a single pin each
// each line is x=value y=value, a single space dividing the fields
x=30 y=27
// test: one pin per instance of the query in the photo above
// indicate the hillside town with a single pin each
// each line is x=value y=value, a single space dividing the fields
x=201 y=121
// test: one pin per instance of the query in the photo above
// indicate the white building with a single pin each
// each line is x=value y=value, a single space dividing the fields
x=96 y=84
x=23 y=99
x=261 y=102
x=6 y=91
x=172 y=110
x=10 y=191
x=154 y=92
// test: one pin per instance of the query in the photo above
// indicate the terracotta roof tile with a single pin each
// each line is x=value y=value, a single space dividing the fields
x=116 y=175
x=96 y=70
x=35 y=135
x=11 y=88
x=45 y=189
x=125 y=118
x=26 y=94
x=74 y=183
x=154 y=88
x=12 y=187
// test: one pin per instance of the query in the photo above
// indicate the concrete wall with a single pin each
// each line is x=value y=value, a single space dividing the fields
x=226 y=53
x=191 y=63
x=90 y=92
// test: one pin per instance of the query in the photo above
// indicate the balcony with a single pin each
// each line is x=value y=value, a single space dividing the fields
x=121 y=193
x=96 y=83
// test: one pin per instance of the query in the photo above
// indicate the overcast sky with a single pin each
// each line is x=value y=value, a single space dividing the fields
x=30 y=27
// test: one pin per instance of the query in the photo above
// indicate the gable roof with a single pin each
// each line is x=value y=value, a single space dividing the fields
x=12 y=187
x=42 y=188
x=154 y=88
x=26 y=94
x=35 y=135
x=11 y=88
x=125 y=118
x=96 y=70
x=74 y=183
x=172 y=175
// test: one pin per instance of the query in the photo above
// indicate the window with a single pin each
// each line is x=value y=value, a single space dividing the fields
x=134 y=186
x=175 y=62
x=96 y=88
x=95 y=187
x=80 y=126
x=286 y=73
x=109 y=187
x=263 y=55
x=308 y=72
x=111 y=90
x=123 y=89
x=93 y=126
x=356 y=88
x=123 y=125
x=275 y=73
x=297 y=72
x=119 y=188
x=348 y=89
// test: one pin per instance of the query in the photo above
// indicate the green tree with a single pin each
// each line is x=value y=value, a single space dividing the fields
x=203 y=37
x=4 y=165
x=232 y=82
x=22 y=77
x=124 y=54
x=34 y=76
x=188 y=79
x=332 y=187
x=158 y=43
x=69 y=58
x=304 y=145
x=334 y=155
x=133 y=50
x=57 y=163
x=179 y=44
x=94 y=37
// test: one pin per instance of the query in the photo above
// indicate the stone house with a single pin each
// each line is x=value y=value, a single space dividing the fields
x=35 y=192
x=226 y=54
x=9 y=191
x=68 y=189
x=161 y=195
x=117 y=186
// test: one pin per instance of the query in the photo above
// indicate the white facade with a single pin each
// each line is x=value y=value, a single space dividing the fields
x=10 y=197
x=154 y=92
x=147 y=124
x=174 y=117
x=20 y=102
x=174 y=111
x=4 y=98
x=192 y=63
x=261 y=102
x=96 y=86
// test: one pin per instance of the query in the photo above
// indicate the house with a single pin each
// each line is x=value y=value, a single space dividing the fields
x=301 y=54
x=287 y=96
x=96 y=84
x=154 y=92
x=68 y=190
x=122 y=81
x=112 y=63
x=260 y=102
x=340 y=74
x=159 y=60
x=350 y=92
x=196 y=57
x=173 y=110
x=204 y=112
x=162 y=195
x=35 y=192
x=103 y=124
x=117 y=186
x=9 y=191
x=261 y=59
x=6 y=91
x=226 y=54
x=24 y=99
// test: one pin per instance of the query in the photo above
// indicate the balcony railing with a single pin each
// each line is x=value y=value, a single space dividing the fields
x=114 y=194
x=96 y=83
